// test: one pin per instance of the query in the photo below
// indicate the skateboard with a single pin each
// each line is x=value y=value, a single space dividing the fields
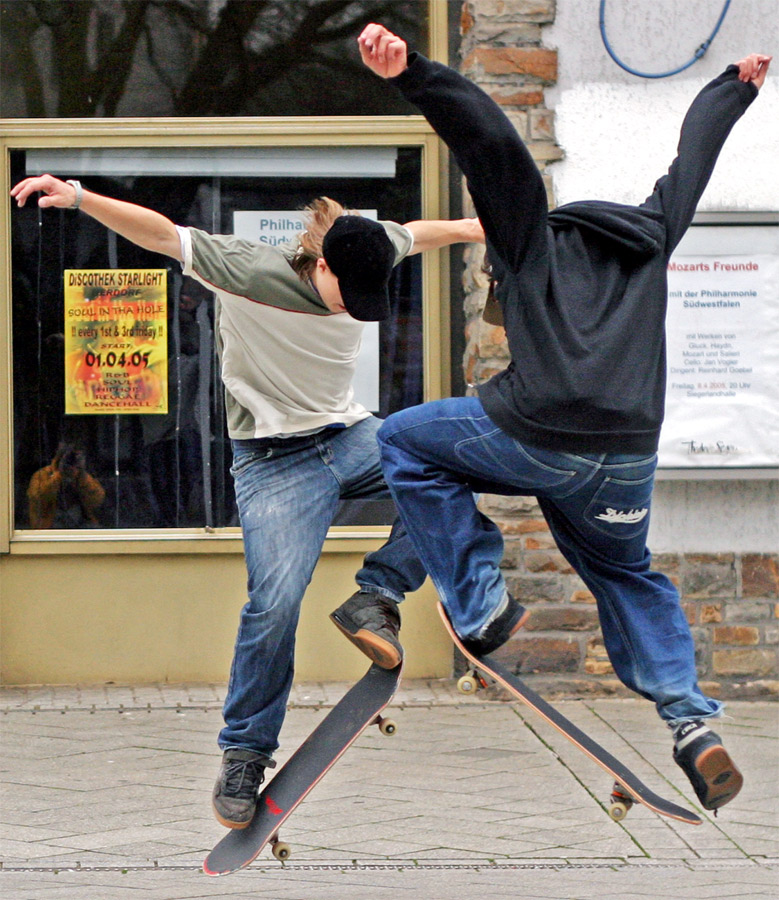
x=360 y=707
x=627 y=787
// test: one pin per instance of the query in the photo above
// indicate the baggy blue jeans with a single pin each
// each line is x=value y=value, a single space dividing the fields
x=437 y=456
x=287 y=492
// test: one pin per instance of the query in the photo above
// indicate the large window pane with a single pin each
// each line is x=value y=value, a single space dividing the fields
x=171 y=469
x=104 y=58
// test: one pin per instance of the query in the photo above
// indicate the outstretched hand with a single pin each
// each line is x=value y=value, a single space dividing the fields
x=55 y=192
x=382 y=51
x=754 y=68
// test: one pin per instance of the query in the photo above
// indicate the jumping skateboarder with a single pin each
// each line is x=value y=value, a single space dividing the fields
x=574 y=419
x=300 y=441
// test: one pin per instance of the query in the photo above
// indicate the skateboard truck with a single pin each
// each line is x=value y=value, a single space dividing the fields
x=279 y=849
x=386 y=726
x=621 y=801
x=471 y=682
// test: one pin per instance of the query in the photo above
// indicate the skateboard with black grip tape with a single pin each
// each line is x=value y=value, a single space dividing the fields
x=360 y=707
x=628 y=788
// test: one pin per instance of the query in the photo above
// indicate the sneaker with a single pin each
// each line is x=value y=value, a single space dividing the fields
x=509 y=620
x=713 y=774
x=372 y=622
x=236 y=789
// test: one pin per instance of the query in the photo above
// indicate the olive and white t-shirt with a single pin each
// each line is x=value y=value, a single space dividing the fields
x=287 y=361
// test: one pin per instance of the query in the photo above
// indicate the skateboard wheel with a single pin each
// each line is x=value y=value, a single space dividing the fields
x=468 y=684
x=281 y=851
x=620 y=797
x=387 y=726
x=618 y=810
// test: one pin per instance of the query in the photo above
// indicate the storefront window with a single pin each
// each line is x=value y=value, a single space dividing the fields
x=160 y=456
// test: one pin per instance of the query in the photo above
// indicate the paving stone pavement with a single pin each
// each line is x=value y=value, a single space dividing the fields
x=106 y=796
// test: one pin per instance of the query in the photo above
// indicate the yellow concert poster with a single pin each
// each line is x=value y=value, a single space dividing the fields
x=116 y=341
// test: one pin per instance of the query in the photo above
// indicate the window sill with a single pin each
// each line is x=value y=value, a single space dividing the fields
x=174 y=541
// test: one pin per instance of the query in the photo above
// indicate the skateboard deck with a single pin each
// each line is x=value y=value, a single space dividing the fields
x=627 y=786
x=359 y=708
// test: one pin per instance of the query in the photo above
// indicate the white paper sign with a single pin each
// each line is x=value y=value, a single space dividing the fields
x=722 y=400
x=276 y=227
x=271 y=227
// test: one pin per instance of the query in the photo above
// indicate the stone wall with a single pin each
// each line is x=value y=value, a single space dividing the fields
x=501 y=50
x=731 y=600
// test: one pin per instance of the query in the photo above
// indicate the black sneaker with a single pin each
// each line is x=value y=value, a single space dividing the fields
x=713 y=774
x=235 y=792
x=372 y=622
x=510 y=619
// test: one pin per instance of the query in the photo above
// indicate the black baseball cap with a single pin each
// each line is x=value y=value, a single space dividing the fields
x=361 y=256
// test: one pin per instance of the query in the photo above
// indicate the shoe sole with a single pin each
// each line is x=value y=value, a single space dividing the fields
x=235 y=826
x=520 y=624
x=375 y=648
x=723 y=779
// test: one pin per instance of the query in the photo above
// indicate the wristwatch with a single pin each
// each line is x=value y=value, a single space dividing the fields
x=79 y=193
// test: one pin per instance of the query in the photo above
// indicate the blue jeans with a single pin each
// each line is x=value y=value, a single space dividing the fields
x=438 y=455
x=287 y=491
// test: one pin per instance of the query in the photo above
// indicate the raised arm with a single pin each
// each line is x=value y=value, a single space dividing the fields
x=430 y=234
x=706 y=126
x=505 y=184
x=142 y=226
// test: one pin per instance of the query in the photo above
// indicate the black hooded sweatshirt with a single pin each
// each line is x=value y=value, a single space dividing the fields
x=582 y=289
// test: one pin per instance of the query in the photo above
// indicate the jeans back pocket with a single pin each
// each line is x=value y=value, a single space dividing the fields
x=620 y=507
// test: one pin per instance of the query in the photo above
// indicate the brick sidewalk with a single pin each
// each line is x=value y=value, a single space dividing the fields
x=106 y=795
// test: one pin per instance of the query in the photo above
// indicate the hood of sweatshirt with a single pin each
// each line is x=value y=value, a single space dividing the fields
x=634 y=229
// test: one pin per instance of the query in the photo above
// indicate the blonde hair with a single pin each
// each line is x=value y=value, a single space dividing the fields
x=320 y=215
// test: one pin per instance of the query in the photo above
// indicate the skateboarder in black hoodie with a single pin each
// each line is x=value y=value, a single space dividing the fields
x=574 y=419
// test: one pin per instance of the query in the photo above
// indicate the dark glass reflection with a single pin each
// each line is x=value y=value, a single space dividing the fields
x=172 y=470
x=71 y=58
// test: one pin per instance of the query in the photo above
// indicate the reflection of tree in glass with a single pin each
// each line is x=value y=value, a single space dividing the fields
x=67 y=58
